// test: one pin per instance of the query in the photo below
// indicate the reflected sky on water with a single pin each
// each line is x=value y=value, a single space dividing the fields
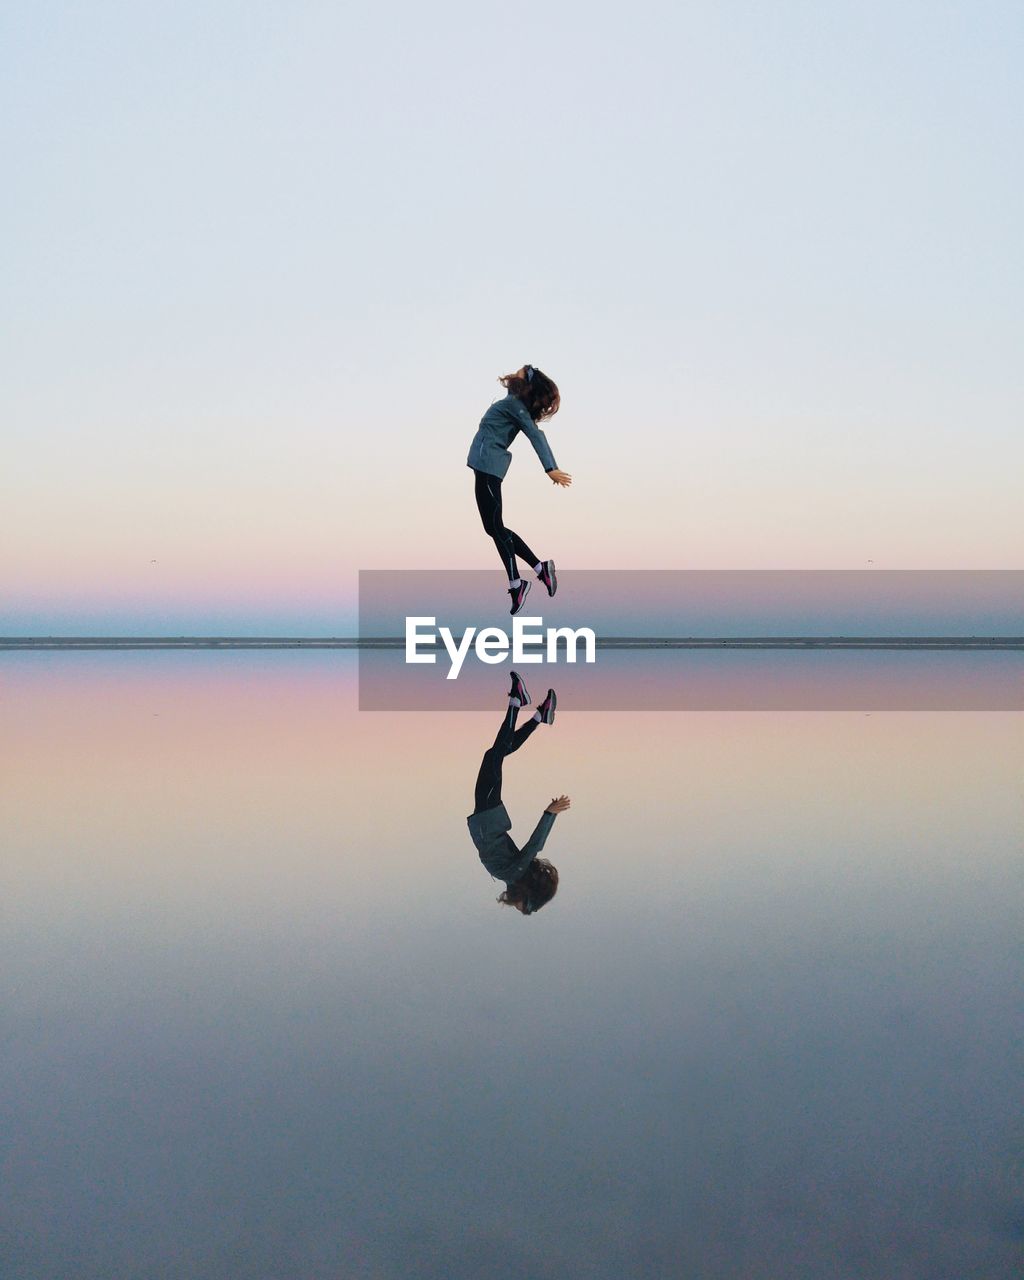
x=264 y=1017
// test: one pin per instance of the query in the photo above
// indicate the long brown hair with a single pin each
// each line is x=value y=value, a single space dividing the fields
x=530 y=892
x=538 y=393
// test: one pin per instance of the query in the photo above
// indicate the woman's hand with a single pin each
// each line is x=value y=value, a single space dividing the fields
x=558 y=805
x=560 y=477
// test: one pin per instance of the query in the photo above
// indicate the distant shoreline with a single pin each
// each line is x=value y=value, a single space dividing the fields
x=71 y=643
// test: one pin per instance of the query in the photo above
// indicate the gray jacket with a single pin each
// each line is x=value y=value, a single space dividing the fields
x=498 y=428
x=498 y=853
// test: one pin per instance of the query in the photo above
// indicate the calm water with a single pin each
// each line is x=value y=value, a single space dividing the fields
x=264 y=1019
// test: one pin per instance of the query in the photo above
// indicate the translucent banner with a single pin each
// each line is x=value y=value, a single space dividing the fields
x=697 y=640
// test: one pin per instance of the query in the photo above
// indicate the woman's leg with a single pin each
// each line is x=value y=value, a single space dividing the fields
x=508 y=739
x=508 y=542
x=521 y=734
x=522 y=550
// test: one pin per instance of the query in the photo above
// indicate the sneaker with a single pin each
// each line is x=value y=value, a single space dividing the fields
x=547 y=708
x=519 y=690
x=548 y=576
x=519 y=595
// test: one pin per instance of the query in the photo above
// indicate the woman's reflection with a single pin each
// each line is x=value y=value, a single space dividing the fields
x=530 y=882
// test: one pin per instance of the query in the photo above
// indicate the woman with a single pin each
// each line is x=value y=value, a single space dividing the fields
x=530 y=882
x=532 y=398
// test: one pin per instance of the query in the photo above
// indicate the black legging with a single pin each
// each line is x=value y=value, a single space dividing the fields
x=509 y=739
x=509 y=543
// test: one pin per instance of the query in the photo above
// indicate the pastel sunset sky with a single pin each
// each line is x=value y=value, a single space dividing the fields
x=264 y=264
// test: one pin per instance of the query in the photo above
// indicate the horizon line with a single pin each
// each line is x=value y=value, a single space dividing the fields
x=14 y=643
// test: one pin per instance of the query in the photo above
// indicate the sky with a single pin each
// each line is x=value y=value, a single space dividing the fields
x=264 y=264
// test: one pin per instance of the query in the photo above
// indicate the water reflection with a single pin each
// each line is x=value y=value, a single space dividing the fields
x=530 y=881
x=261 y=1018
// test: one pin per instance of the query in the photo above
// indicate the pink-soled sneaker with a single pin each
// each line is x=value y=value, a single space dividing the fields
x=519 y=595
x=548 y=576
x=547 y=708
x=519 y=690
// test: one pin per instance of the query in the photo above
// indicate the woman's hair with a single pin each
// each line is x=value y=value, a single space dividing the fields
x=529 y=893
x=537 y=392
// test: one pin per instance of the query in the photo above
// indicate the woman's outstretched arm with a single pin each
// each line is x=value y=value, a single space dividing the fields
x=535 y=843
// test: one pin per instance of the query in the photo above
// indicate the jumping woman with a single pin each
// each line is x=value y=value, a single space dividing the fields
x=530 y=881
x=532 y=398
